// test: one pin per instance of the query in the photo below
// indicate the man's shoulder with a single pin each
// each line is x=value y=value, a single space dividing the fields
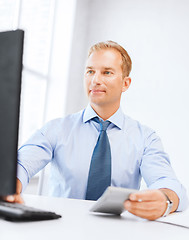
x=135 y=125
x=64 y=122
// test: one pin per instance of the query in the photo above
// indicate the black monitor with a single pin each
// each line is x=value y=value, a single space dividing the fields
x=11 y=50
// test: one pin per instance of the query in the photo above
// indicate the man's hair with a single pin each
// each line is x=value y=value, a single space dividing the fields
x=126 y=60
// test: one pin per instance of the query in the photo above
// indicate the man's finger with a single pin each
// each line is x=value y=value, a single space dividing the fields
x=18 y=198
x=144 y=206
x=9 y=198
x=145 y=213
x=147 y=195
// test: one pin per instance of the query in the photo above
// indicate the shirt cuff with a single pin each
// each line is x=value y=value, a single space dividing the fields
x=176 y=187
x=22 y=175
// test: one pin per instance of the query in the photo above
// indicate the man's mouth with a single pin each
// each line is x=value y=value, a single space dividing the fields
x=97 y=91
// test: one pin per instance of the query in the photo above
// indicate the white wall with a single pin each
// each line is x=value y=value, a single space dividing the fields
x=155 y=33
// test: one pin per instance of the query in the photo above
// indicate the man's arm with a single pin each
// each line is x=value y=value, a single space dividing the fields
x=157 y=172
x=151 y=204
x=16 y=197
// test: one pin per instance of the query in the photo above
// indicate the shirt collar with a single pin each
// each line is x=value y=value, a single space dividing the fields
x=117 y=118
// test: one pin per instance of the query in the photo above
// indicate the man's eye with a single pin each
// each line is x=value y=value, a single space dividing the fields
x=90 y=72
x=107 y=73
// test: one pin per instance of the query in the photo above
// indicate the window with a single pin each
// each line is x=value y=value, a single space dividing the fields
x=48 y=30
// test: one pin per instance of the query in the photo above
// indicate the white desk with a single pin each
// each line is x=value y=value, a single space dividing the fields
x=77 y=223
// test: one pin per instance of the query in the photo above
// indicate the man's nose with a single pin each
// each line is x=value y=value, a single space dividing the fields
x=96 y=78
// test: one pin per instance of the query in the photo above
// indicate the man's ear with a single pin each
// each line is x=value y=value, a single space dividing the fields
x=126 y=83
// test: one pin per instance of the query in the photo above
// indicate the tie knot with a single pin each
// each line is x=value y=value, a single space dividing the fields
x=103 y=124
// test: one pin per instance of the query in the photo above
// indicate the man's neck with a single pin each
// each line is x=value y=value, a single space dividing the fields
x=105 y=112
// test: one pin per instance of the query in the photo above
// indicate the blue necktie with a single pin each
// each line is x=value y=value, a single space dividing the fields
x=100 y=169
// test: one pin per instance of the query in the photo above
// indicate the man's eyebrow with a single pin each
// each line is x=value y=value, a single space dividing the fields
x=104 y=68
x=109 y=68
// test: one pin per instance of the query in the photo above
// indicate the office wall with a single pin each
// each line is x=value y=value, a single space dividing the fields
x=155 y=33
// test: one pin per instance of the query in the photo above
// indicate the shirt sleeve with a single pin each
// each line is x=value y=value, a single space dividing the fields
x=35 y=154
x=157 y=171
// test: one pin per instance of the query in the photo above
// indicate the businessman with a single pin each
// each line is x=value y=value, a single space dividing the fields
x=101 y=146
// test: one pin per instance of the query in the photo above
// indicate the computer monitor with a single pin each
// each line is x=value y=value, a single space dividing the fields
x=11 y=50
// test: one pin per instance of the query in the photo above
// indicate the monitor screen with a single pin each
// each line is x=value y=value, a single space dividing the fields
x=11 y=50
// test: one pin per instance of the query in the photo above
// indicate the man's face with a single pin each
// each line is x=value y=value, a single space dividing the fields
x=104 y=78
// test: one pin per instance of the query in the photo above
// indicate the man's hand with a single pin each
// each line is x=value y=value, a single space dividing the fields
x=150 y=204
x=16 y=197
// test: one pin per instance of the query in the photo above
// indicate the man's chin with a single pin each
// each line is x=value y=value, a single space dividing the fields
x=98 y=103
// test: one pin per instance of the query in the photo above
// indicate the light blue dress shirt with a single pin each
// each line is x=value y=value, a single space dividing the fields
x=68 y=143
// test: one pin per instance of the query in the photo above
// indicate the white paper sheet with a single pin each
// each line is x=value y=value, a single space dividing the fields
x=180 y=219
